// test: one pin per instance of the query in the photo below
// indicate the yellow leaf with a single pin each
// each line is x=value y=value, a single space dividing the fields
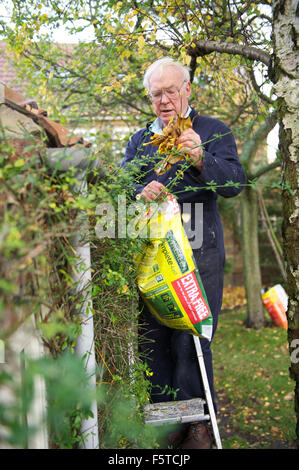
x=167 y=143
x=141 y=42
x=126 y=53
x=19 y=162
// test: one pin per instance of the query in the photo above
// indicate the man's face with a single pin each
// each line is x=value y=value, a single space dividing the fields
x=169 y=93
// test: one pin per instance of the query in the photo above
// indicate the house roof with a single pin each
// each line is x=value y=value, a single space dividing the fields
x=13 y=95
x=58 y=136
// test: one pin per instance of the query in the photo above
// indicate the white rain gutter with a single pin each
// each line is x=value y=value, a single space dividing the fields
x=63 y=159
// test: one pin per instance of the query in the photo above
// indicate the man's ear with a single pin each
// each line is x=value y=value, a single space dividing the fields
x=188 y=89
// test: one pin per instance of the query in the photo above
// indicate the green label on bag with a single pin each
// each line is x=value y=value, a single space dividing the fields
x=177 y=251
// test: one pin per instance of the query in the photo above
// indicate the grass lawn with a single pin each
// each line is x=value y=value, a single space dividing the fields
x=255 y=395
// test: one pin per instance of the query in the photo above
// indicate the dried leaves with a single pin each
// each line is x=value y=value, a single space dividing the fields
x=167 y=143
x=233 y=297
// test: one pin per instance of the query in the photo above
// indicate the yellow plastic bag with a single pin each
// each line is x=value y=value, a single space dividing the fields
x=276 y=302
x=167 y=276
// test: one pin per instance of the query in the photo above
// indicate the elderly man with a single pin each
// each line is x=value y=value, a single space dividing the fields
x=212 y=152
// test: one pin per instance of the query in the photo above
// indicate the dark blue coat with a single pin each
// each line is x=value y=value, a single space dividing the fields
x=220 y=164
x=172 y=353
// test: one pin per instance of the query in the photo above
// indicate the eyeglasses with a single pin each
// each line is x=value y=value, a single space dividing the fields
x=172 y=93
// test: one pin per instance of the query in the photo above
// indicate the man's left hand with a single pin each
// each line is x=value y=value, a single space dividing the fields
x=190 y=142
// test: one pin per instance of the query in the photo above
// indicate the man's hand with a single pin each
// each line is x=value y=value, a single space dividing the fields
x=154 y=191
x=190 y=142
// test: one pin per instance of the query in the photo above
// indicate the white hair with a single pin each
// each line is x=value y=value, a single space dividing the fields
x=161 y=64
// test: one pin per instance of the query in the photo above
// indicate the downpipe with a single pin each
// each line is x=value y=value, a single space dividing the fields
x=62 y=159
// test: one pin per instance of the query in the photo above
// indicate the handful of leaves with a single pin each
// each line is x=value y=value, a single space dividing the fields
x=167 y=143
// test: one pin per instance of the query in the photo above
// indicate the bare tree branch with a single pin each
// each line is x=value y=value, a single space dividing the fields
x=266 y=168
x=202 y=47
x=271 y=234
x=259 y=136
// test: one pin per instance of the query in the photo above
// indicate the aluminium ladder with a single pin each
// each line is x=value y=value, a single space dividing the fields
x=186 y=411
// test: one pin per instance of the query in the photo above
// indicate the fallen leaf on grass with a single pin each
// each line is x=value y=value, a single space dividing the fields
x=289 y=396
x=233 y=296
x=274 y=429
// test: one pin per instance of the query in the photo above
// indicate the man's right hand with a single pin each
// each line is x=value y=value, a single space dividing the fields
x=154 y=191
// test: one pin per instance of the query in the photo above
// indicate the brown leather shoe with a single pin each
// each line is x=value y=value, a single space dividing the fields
x=197 y=437
x=176 y=438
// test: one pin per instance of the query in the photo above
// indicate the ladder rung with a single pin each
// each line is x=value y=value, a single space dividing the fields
x=183 y=411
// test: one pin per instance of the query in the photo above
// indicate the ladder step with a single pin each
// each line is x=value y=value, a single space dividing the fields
x=183 y=411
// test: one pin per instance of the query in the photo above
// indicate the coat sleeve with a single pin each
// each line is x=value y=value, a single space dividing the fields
x=221 y=164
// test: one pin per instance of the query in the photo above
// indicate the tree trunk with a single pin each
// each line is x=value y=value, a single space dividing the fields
x=286 y=79
x=251 y=261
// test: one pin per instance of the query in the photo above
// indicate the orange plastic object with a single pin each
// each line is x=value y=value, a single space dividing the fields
x=276 y=303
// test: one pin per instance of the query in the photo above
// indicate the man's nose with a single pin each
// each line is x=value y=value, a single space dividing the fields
x=164 y=97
